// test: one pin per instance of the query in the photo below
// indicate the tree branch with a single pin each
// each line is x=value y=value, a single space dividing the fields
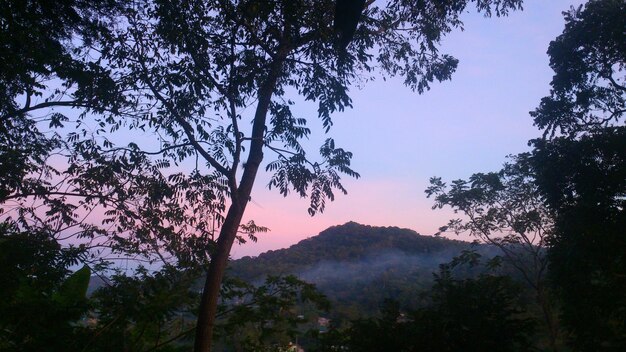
x=47 y=104
x=181 y=121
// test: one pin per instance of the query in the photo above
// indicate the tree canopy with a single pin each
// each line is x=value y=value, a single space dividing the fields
x=588 y=87
x=199 y=85
x=582 y=172
x=575 y=174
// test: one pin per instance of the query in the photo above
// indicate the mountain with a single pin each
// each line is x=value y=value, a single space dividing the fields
x=358 y=266
x=96 y=282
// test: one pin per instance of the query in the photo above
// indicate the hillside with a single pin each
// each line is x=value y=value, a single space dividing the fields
x=358 y=266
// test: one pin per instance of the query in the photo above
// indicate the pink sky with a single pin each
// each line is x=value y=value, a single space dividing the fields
x=400 y=139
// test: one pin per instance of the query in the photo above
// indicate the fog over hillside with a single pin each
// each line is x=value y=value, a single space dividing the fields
x=374 y=264
x=359 y=266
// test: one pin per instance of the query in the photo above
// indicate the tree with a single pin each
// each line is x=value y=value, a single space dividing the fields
x=36 y=47
x=585 y=184
x=41 y=300
x=476 y=314
x=581 y=170
x=588 y=87
x=45 y=306
x=575 y=174
x=484 y=313
x=271 y=315
x=148 y=310
x=189 y=73
x=506 y=209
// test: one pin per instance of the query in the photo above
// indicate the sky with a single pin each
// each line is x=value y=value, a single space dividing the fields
x=400 y=139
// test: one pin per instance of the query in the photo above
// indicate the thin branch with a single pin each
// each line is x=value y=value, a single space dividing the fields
x=615 y=84
x=280 y=152
x=57 y=193
x=47 y=104
x=181 y=121
x=233 y=117
x=148 y=153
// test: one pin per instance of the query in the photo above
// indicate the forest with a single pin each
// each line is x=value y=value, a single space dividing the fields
x=135 y=132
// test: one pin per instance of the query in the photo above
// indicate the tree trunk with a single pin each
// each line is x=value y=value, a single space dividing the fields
x=215 y=274
x=546 y=309
x=239 y=197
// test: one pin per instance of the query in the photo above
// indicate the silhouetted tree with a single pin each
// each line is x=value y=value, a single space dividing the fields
x=209 y=82
x=577 y=175
x=484 y=313
x=582 y=173
x=588 y=58
x=585 y=185
x=41 y=299
x=506 y=209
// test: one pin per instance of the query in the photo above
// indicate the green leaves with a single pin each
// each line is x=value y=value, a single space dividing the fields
x=318 y=180
x=74 y=289
x=270 y=314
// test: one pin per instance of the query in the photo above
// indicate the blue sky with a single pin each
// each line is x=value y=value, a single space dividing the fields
x=400 y=139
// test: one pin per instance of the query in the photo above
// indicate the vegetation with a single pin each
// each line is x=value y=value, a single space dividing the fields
x=357 y=267
x=350 y=242
x=40 y=297
x=582 y=173
x=188 y=74
x=505 y=209
x=575 y=181
x=475 y=314
x=206 y=87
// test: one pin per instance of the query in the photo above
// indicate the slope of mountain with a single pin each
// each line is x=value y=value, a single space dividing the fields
x=358 y=266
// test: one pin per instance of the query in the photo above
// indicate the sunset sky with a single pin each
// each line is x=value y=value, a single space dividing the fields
x=400 y=139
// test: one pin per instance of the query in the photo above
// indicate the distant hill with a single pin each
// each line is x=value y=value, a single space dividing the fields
x=95 y=282
x=358 y=266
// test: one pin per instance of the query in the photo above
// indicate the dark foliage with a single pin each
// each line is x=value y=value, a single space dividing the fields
x=477 y=314
x=192 y=75
x=40 y=302
x=347 y=15
x=507 y=209
x=585 y=184
x=582 y=174
x=588 y=59
x=144 y=311
x=269 y=316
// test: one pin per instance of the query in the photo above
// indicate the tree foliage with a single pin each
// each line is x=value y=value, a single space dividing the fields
x=269 y=316
x=575 y=175
x=40 y=300
x=588 y=59
x=185 y=72
x=470 y=314
x=503 y=208
x=208 y=84
x=45 y=306
x=582 y=172
x=506 y=209
x=585 y=185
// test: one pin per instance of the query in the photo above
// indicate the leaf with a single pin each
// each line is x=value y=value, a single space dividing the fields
x=74 y=288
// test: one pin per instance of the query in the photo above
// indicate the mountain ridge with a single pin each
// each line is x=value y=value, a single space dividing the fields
x=358 y=266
